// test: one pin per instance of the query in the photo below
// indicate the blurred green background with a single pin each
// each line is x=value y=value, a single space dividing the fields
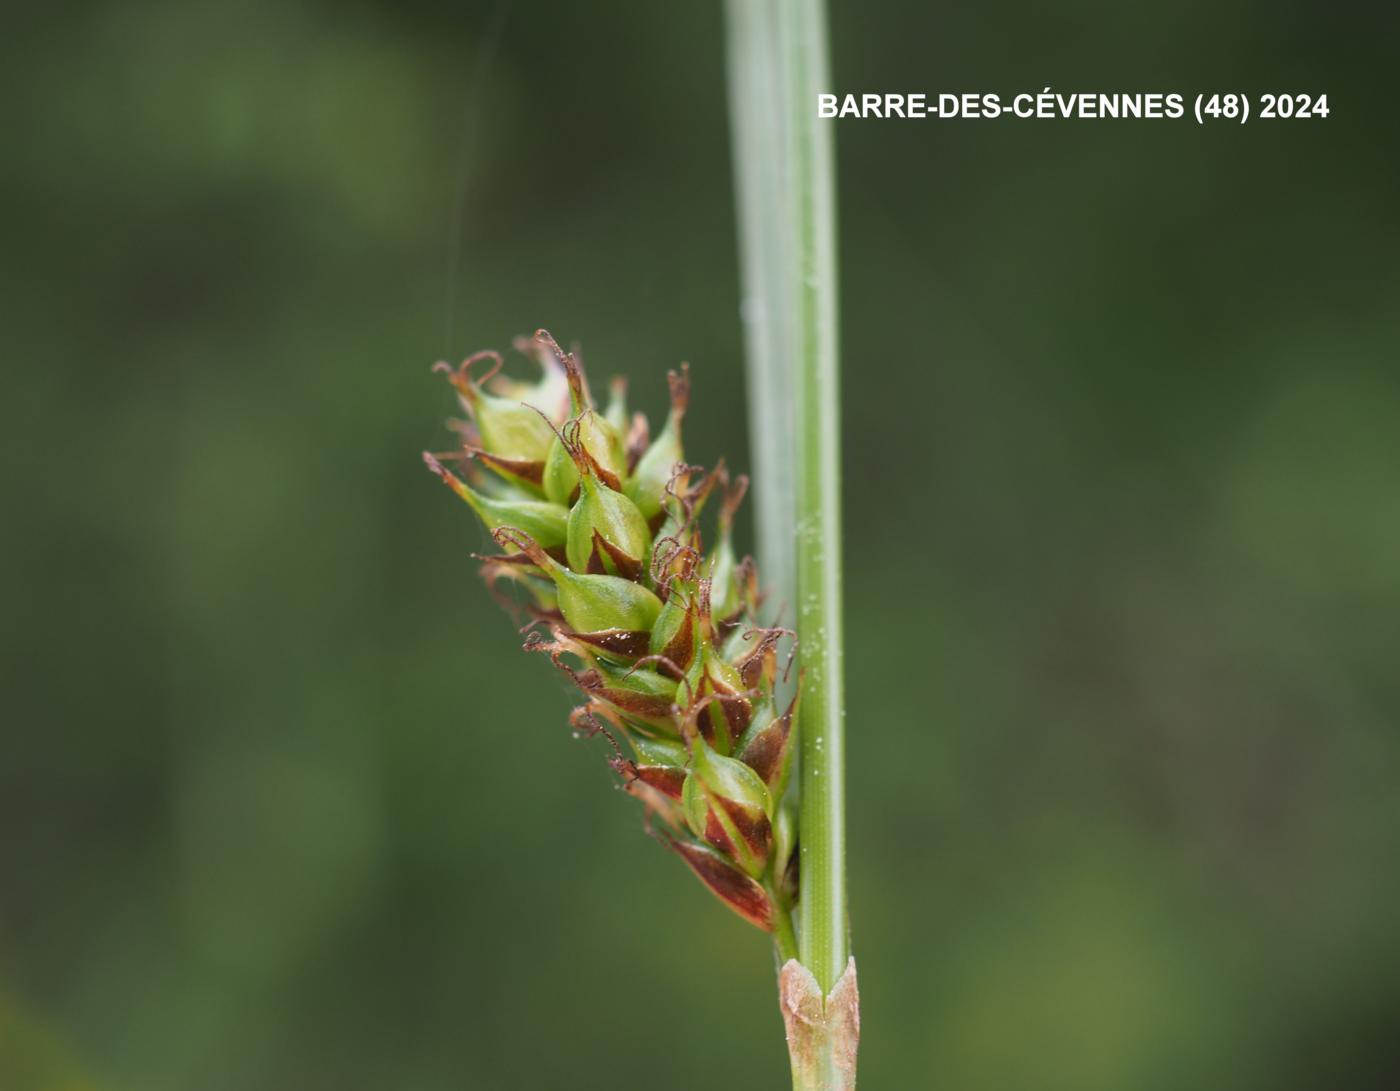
x=282 y=805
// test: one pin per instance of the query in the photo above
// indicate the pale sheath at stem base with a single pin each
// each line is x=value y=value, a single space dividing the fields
x=823 y=1034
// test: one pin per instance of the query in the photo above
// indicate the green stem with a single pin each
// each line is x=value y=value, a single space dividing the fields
x=785 y=179
x=822 y=829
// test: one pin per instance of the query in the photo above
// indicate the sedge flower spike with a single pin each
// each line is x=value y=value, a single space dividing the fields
x=598 y=524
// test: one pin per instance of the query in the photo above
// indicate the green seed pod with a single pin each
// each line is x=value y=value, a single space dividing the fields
x=728 y=805
x=766 y=747
x=606 y=532
x=587 y=431
x=616 y=414
x=509 y=429
x=665 y=752
x=589 y=603
x=719 y=701
x=660 y=764
x=754 y=652
x=673 y=635
x=633 y=699
x=723 y=711
x=593 y=434
x=750 y=596
x=641 y=697
x=724 y=578
x=647 y=485
x=546 y=523
x=678 y=545
x=685 y=502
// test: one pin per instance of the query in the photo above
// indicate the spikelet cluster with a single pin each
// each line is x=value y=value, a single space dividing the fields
x=598 y=529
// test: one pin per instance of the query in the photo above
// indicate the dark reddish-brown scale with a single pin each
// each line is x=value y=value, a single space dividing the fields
x=753 y=826
x=624 y=644
x=629 y=701
x=664 y=779
x=731 y=885
x=760 y=663
x=765 y=751
x=717 y=835
x=628 y=567
x=681 y=648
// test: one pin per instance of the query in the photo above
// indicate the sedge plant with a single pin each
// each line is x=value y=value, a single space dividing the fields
x=601 y=532
x=622 y=554
x=599 y=529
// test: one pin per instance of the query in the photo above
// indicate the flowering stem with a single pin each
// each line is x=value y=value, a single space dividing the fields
x=822 y=900
x=784 y=174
